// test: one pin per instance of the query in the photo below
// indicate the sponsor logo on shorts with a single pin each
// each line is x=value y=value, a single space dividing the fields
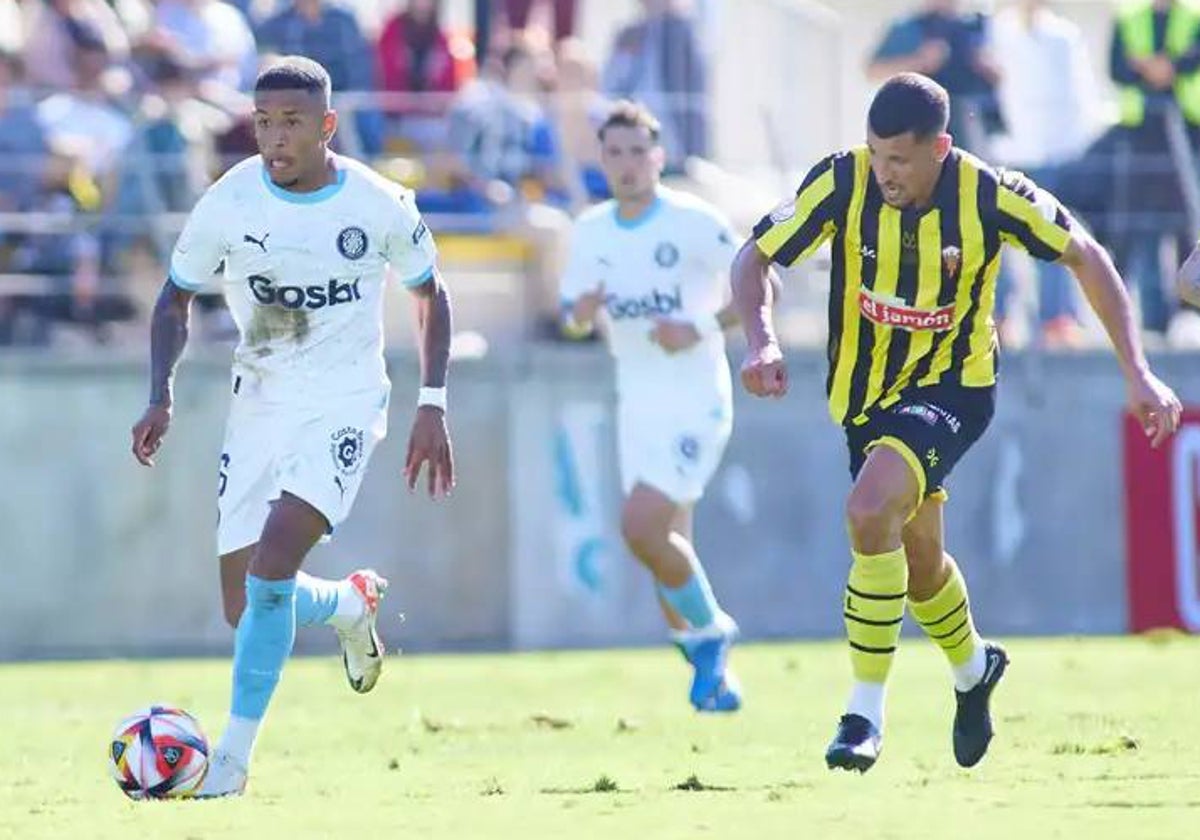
x=896 y=313
x=352 y=243
x=932 y=457
x=346 y=447
x=920 y=411
x=931 y=413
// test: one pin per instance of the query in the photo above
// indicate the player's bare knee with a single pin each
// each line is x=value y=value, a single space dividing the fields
x=643 y=533
x=292 y=529
x=874 y=518
x=639 y=535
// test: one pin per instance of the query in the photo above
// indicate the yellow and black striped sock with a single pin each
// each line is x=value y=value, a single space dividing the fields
x=874 y=609
x=946 y=619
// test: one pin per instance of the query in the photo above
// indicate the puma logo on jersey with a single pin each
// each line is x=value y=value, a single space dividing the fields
x=261 y=243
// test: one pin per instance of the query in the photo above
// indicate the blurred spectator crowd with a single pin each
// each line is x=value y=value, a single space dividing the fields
x=116 y=114
x=1024 y=95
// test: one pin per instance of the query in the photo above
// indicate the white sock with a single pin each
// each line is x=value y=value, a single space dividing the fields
x=350 y=606
x=968 y=674
x=722 y=626
x=238 y=738
x=866 y=699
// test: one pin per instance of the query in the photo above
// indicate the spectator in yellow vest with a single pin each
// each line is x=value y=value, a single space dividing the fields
x=1155 y=62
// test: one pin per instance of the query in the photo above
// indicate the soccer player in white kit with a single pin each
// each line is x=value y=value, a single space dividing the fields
x=654 y=261
x=305 y=237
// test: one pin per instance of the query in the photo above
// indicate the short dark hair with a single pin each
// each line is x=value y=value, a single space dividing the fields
x=909 y=102
x=295 y=72
x=627 y=114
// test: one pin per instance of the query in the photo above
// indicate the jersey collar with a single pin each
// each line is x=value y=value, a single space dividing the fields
x=315 y=197
x=646 y=215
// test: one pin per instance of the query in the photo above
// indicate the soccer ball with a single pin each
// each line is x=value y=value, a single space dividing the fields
x=158 y=753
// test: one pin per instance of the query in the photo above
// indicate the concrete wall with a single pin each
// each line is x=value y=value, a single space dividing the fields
x=101 y=557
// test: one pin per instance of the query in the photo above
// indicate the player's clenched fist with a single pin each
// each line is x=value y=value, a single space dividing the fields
x=149 y=432
x=764 y=373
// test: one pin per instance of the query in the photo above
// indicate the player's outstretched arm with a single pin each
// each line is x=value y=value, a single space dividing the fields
x=1188 y=281
x=168 y=337
x=1150 y=399
x=429 y=442
x=764 y=373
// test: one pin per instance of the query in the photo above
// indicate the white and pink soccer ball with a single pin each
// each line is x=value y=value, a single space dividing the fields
x=158 y=753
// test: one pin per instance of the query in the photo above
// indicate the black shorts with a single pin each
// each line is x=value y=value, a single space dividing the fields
x=931 y=427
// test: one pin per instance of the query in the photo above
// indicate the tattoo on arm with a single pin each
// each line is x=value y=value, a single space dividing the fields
x=435 y=322
x=168 y=337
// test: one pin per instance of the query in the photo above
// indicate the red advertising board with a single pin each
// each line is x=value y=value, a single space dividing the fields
x=1162 y=526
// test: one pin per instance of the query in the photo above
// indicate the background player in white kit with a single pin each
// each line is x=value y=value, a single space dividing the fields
x=305 y=237
x=655 y=261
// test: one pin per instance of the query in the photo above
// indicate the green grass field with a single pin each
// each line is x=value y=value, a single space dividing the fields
x=1097 y=740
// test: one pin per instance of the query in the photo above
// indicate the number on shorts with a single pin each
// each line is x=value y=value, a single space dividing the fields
x=223 y=474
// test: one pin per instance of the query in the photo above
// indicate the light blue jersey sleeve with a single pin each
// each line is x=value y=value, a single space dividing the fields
x=202 y=246
x=410 y=248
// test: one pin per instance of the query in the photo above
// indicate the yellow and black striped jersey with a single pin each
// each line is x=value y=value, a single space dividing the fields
x=911 y=290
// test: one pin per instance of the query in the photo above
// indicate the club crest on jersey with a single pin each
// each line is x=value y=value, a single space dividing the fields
x=347 y=448
x=783 y=212
x=951 y=260
x=666 y=254
x=352 y=243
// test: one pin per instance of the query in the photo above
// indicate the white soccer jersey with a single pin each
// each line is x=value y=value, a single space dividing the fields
x=304 y=274
x=673 y=262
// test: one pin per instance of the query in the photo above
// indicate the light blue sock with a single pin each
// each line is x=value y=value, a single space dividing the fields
x=316 y=599
x=262 y=644
x=694 y=600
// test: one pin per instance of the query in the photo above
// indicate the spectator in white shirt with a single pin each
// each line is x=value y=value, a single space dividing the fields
x=1050 y=102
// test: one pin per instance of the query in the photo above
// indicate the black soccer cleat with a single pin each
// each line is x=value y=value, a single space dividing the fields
x=856 y=746
x=973 y=717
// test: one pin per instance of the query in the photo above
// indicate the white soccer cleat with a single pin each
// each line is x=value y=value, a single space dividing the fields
x=362 y=649
x=225 y=777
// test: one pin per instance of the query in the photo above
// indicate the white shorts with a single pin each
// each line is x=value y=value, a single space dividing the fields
x=318 y=454
x=677 y=457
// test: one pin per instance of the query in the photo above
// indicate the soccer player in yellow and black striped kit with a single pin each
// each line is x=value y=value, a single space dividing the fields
x=916 y=227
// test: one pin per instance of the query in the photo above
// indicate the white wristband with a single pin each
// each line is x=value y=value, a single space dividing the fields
x=576 y=329
x=435 y=397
